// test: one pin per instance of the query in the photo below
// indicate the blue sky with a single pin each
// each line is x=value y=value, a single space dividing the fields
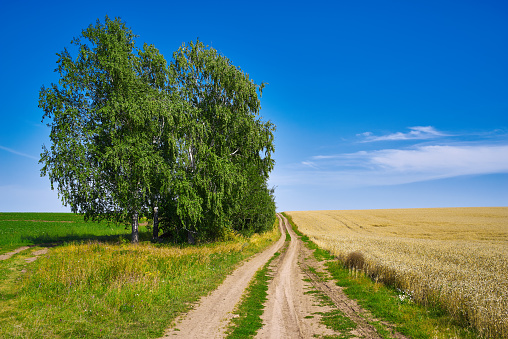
x=378 y=104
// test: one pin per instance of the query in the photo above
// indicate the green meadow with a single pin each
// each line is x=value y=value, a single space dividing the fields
x=28 y=229
x=93 y=283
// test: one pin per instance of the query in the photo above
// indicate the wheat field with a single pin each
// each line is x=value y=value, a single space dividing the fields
x=456 y=257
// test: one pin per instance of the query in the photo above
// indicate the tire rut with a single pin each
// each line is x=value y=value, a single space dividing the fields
x=295 y=310
x=348 y=307
x=319 y=278
x=290 y=311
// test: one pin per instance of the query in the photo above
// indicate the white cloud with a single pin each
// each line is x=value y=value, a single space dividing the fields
x=397 y=166
x=444 y=161
x=309 y=164
x=415 y=133
x=319 y=157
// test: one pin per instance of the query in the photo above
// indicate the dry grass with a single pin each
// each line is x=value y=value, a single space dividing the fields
x=457 y=257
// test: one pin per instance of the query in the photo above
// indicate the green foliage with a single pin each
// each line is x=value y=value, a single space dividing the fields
x=255 y=210
x=130 y=132
x=225 y=152
x=111 y=125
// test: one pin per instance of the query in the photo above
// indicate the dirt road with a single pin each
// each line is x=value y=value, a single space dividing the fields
x=289 y=312
x=21 y=249
x=300 y=296
x=211 y=316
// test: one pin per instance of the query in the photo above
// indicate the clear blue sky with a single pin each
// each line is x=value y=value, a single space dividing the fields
x=378 y=104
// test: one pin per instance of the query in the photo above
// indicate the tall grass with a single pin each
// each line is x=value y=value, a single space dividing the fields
x=456 y=258
x=107 y=290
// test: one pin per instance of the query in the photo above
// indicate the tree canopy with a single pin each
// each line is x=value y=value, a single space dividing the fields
x=131 y=133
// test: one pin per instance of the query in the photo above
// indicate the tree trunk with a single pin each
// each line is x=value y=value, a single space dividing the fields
x=190 y=238
x=155 y=223
x=135 y=228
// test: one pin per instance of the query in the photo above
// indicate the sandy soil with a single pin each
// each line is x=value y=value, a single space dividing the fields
x=289 y=312
x=36 y=255
x=10 y=254
x=292 y=313
x=21 y=249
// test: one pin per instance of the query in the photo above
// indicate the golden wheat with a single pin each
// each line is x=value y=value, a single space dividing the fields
x=457 y=257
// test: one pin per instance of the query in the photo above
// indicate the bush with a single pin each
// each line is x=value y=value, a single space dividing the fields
x=355 y=260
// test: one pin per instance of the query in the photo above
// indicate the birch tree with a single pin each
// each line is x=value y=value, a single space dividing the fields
x=226 y=141
x=132 y=135
x=112 y=125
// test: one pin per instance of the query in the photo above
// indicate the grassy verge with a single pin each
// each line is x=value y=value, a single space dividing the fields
x=112 y=290
x=334 y=319
x=389 y=304
x=250 y=308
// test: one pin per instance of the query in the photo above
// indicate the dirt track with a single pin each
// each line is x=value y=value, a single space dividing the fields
x=211 y=316
x=10 y=254
x=289 y=312
x=299 y=294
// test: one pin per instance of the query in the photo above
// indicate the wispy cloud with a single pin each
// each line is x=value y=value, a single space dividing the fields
x=309 y=164
x=10 y=150
x=399 y=166
x=443 y=161
x=415 y=133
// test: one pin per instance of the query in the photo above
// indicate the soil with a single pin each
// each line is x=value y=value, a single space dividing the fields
x=290 y=312
x=37 y=253
x=10 y=254
x=294 y=306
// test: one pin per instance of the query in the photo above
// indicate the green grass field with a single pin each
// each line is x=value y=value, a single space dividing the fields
x=26 y=229
x=92 y=285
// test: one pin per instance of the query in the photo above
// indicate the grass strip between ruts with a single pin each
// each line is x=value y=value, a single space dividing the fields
x=249 y=310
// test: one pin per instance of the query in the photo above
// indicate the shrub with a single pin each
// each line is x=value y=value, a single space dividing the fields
x=355 y=260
